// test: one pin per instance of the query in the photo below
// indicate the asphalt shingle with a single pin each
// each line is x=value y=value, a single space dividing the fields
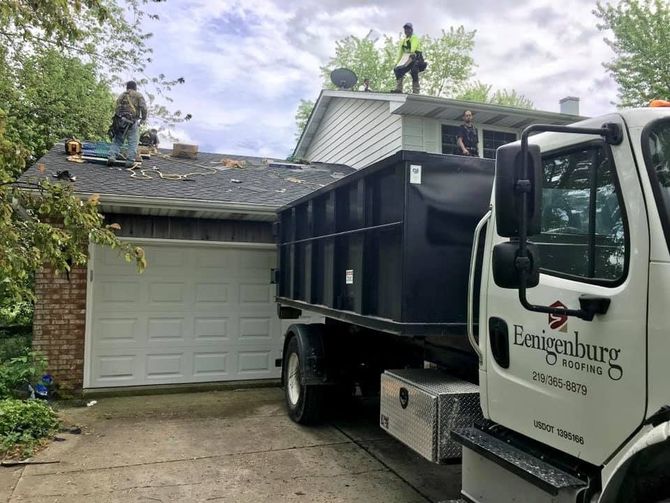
x=265 y=182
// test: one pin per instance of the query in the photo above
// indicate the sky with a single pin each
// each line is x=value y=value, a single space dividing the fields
x=247 y=64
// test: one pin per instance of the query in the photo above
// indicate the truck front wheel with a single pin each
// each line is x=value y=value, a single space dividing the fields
x=305 y=403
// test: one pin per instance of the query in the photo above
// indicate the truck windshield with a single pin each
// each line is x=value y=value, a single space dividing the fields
x=656 y=146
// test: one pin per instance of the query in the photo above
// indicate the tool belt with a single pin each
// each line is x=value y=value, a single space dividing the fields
x=120 y=125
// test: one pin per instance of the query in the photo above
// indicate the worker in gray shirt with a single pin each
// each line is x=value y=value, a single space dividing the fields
x=131 y=111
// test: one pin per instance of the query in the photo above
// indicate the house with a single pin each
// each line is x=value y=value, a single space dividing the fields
x=360 y=128
x=204 y=309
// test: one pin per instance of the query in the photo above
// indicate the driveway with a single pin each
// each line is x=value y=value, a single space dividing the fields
x=235 y=445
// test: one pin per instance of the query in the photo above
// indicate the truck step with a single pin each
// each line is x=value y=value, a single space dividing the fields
x=534 y=470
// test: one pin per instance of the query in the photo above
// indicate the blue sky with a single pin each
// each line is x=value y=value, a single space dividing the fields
x=248 y=64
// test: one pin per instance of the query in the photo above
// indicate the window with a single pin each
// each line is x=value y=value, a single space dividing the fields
x=583 y=233
x=495 y=139
x=656 y=145
x=449 y=137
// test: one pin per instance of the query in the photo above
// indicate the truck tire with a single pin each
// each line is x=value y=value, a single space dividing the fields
x=305 y=404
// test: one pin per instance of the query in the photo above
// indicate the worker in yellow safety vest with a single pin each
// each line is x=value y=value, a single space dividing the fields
x=410 y=59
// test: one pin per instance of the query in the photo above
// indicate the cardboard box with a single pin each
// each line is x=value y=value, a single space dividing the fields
x=184 y=151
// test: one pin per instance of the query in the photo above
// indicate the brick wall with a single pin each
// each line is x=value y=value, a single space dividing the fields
x=59 y=324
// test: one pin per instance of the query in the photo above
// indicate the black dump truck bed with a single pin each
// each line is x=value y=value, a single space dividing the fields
x=387 y=247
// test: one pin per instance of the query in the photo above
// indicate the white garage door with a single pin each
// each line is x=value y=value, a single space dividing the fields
x=198 y=313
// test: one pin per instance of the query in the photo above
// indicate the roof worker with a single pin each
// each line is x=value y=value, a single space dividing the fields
x=410 y=59
x=131 y=112
x=149 y=138
x=467 y=139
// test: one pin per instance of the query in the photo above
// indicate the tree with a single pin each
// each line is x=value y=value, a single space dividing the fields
x=302 y=116
x=450 y=65
x=480 y=92
x=641 y=43
x=449 y=59
x=107 y=33
x=53 y=96
x=45 y=92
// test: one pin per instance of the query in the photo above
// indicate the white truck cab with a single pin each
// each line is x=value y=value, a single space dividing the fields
x=574 y=345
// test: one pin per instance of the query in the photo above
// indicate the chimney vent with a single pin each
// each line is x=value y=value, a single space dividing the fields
x=570 y=105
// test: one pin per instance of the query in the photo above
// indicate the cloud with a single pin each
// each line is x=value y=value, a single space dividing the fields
x=248 y=63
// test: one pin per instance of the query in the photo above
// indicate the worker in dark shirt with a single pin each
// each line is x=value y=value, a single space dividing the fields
x=149 y=138
x=467 y=137
x=131 y=112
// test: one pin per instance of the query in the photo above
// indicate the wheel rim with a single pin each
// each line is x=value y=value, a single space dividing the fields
x=293 y=379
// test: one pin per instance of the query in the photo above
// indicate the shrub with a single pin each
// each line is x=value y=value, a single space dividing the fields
x=16 y=373
x=24 y=423
x=13 y=345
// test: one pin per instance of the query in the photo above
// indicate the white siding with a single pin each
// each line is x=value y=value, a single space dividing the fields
x=421 y=134
x=356 y=133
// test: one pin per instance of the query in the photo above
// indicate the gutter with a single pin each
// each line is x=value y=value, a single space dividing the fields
x=183 y=204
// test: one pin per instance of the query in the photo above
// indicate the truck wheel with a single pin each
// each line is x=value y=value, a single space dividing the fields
x=305 y=404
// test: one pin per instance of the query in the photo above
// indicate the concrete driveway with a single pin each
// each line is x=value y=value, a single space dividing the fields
x=236 y=446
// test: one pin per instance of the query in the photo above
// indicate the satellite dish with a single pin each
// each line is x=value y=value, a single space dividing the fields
x=343 y=78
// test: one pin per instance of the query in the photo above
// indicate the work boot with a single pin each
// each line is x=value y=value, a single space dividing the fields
x=398 y=85
x=111 y=160
x=416 y=88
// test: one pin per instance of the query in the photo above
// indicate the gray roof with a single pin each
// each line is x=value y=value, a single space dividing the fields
x=261 y=182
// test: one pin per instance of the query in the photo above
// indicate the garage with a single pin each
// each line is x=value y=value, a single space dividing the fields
x=200 y=312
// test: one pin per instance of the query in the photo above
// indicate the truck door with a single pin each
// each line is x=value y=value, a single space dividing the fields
x=576 y=385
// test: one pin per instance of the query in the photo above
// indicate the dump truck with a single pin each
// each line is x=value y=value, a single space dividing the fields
x=509 y=313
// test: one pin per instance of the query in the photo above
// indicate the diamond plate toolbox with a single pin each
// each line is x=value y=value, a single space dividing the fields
x=420 y=406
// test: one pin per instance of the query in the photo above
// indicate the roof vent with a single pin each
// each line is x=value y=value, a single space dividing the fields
x=184 y=151
x=570 y=105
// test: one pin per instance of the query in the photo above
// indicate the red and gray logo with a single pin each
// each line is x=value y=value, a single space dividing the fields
x=558 y=321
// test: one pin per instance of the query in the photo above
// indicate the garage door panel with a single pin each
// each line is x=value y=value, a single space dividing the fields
x=197 y=314
x=115 y=369
x=253 y=362
x=211 y=365
x=165 y=257
x=117 y=330
x=256 y=259
x=162 y=365
x=212 y=292
x=166 y=330
x=218 y=259
x=118 y=291
x=211 y=329
x=254 y=293
x=162 y=292
x=254 y=329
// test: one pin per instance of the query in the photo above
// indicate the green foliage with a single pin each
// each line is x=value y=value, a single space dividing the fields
x=302 y=116
x=48 y=92
x=13 y=345
x=366 y=60
x=450 y=65
x=449 y=59
x=49 y=225
x=106 y=33
x=52 y=96
x=480 y=92
x=641 y=44
x=24 y=423
x=15 y=373
x=16 y=314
